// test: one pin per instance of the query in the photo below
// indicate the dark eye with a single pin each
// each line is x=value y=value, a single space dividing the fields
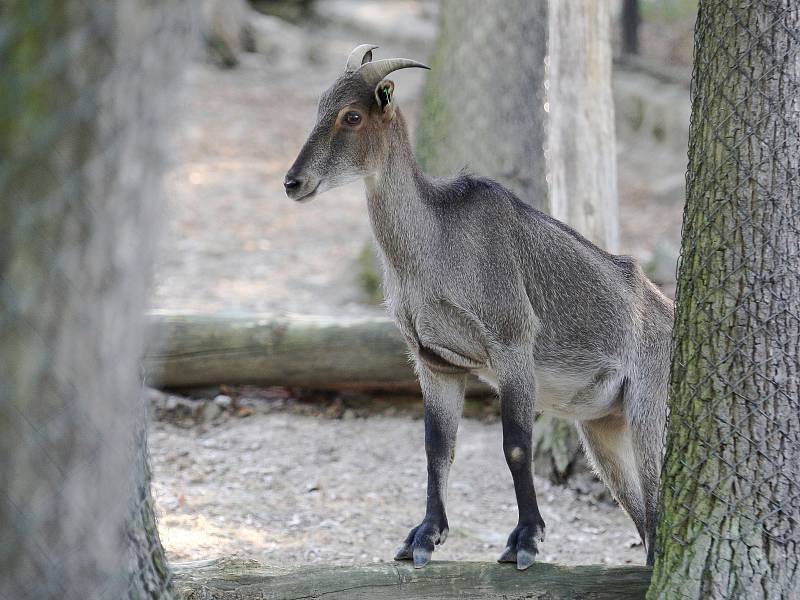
x=352 y=118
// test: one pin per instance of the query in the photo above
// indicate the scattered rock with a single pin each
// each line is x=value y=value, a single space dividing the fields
x=224 y=402
x=186 y=412
x=211 y=410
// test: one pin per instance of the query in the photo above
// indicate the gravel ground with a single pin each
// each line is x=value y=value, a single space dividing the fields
x=290 y=489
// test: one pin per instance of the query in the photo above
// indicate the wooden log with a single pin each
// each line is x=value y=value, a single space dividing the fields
x=327 y=353
x=236 y=579
x=192 y=350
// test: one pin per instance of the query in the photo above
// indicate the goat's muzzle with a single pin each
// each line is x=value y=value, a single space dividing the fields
x=298 y=188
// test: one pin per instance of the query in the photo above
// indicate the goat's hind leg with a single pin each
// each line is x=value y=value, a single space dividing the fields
x=609 y=445
x=646 y=413
x=444 y=403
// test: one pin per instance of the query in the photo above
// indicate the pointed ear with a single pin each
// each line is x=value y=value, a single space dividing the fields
x=384 y=94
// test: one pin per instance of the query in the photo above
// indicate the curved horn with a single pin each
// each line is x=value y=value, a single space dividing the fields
x=360 y=55
x=373 y=72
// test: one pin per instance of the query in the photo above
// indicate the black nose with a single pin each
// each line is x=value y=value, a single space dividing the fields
x=291 y=183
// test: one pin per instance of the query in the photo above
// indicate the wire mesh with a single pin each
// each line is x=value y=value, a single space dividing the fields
x=730 y=504
x=86 y=90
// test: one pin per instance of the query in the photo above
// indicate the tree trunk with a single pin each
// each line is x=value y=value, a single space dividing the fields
x=83 y=89
x=483 y=106
x=730 y=503
x=582 y=154
x=149 y=575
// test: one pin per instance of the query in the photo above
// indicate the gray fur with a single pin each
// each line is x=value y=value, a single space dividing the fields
x=479 y=282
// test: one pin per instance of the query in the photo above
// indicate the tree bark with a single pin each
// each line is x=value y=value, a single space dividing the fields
x=731 y=498
x=149 y=575
x=83 y=89
x=234 y=579
x=582 y=154
x=483 y=105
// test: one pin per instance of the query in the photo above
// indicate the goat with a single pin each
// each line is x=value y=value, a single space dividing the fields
x=479 y=282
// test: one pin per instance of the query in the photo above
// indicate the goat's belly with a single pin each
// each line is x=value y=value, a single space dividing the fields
x=568 y=395
x=442 y=359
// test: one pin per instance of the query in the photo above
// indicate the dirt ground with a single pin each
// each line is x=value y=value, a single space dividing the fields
x=287 y=488
x=291 y=489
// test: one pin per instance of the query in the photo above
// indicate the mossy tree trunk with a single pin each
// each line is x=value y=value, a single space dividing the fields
x=486 y=107
x=83 y=104
x=731 y=494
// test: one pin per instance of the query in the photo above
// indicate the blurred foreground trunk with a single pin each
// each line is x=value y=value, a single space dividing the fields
x=86 y=94
x=730 y=505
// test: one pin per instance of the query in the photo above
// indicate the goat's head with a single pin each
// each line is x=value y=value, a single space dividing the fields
x=350 y=135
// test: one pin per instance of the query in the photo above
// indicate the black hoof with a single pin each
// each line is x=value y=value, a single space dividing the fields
x=522 y=546
x=418 y=545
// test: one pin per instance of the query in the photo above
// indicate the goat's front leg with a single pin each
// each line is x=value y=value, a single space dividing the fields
x=517 y=391
x=444 y=403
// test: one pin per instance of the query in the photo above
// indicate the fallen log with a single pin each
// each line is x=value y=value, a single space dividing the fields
x=193 y=350
x=236 y=579
x=190 y=350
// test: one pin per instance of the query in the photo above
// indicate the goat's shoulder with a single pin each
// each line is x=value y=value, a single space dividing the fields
x=462 y=193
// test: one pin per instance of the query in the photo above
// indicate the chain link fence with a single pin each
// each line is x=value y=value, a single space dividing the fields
x=730 y=505
x=86 y=92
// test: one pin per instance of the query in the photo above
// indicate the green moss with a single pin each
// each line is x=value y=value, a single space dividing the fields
x=27 y=99
x=659 y=133
x=435 y=119
x=369 y=273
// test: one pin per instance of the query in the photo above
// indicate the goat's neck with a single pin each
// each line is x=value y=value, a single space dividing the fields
x=399 y=215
